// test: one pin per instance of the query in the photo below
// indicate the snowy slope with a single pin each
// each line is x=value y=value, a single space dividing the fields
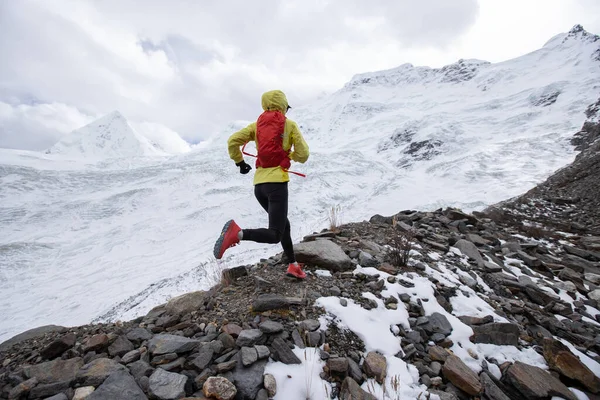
x=108 y=137
x=96 y=229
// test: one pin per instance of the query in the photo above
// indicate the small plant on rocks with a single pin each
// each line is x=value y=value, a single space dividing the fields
x=335 y=218
x=401 y=245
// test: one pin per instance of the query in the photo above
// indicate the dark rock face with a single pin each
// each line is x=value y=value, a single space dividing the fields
x=496 y=333
x=535 y=383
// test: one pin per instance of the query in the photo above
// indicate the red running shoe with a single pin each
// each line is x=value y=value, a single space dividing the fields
x=295 y=271
x=228 y=239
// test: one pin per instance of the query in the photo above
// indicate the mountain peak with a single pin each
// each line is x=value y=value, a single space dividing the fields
x=109 y=136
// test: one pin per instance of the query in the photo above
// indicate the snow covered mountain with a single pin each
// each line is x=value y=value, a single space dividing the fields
x=467 y=135
x=108 y=137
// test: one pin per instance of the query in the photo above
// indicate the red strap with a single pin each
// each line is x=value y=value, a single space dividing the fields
x=252 y=155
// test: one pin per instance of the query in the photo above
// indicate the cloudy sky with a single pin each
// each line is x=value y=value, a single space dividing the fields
x=193 y=66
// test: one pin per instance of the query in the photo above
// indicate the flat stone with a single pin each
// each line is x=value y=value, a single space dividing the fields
x=249 y=337
x=270 y=385
x=375 y=366
x=56 y=370
x=59 y=346
x=354 y=371
x=120 y=347
x=593 y=278
x=22 y=388
x=164 y=343
x=472 y=321
x=352 y=391
x=267 y=302
x=130 y=357
x=560 y=358
x=437 y=353
x=323 y=253
x=262 y=351
x=535 y=383
x=96 y=343
x=366 y=260
x=309 y=325
x=83 y=392
x=95 y=372
x=496 y=333
x=203 y=359
x=227 y=340
x=119 y=385
x=470 y=250
x=271 y=327
x=139 y=335
x=166 y=385
x=284 y=353
x=186 y=303
x=490 y=389
x=219 y=388
x=60 y=396
x=461 y=376
x=530 y=261
x=249 y=356
x=50 y=389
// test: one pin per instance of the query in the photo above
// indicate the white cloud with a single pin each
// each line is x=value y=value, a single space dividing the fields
x=192 y=67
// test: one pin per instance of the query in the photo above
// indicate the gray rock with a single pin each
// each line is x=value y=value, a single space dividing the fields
x=30 y=334
x=139 y=335
x=352 y=391
x=186 y=303
x=594 y=295
x=566 y=286
x=167 y=385
x=249 y=356
x=95 y=372
x=535 y=383
x=119 y=385
x=262 y=351
x=297 y=339
x=54 y=371
x=227 y=340
x=338 y=365
x=496 y=333
x=438 y=323
x=593 y=278
x=22 y=388
x=367 y=261
x=354 y=371
x=130 y=357
x=284 y=353
x=60 y=396
x=248 y=380
x=471 y=251
x=324 y=254
x=140 y=368
x=467 y=280
x=262 y=395
x=49 y=389
x=530 y=261
x=249 y=337
x=120 y=347
x=335 y=291
x=203 y=359
x=490 y=389
x=59 y=346
x=266 y=302
x=163 y=344
x=271 y=327
x=226 y=366
x=309 y=325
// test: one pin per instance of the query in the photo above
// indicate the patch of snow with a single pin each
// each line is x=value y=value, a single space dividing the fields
x=323 y=273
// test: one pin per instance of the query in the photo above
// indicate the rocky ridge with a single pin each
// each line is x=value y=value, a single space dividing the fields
x=499 y=304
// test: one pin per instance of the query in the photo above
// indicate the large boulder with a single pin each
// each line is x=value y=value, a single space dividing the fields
x=119 y=385
x=54 y=371
x=163 y=344
x=496 y=333
x=96 y=372
x=323 y=253
x=536 y=384
x=461 y=376
x=561 y=359
x=167 y=385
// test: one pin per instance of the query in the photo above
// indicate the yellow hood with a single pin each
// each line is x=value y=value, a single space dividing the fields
x=274 y=100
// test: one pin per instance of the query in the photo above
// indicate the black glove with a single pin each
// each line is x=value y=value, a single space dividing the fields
x=244 y=167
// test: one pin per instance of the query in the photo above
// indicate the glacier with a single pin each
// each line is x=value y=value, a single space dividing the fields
x=106 y=224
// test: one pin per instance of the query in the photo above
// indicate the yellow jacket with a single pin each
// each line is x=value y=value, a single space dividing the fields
x=273 y=100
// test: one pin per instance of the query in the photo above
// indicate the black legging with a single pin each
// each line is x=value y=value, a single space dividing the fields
x=273 y=197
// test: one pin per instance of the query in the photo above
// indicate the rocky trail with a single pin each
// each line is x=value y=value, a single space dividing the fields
x=499 y=305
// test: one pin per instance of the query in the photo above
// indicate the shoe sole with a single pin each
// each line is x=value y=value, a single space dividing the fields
x=219 y=243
